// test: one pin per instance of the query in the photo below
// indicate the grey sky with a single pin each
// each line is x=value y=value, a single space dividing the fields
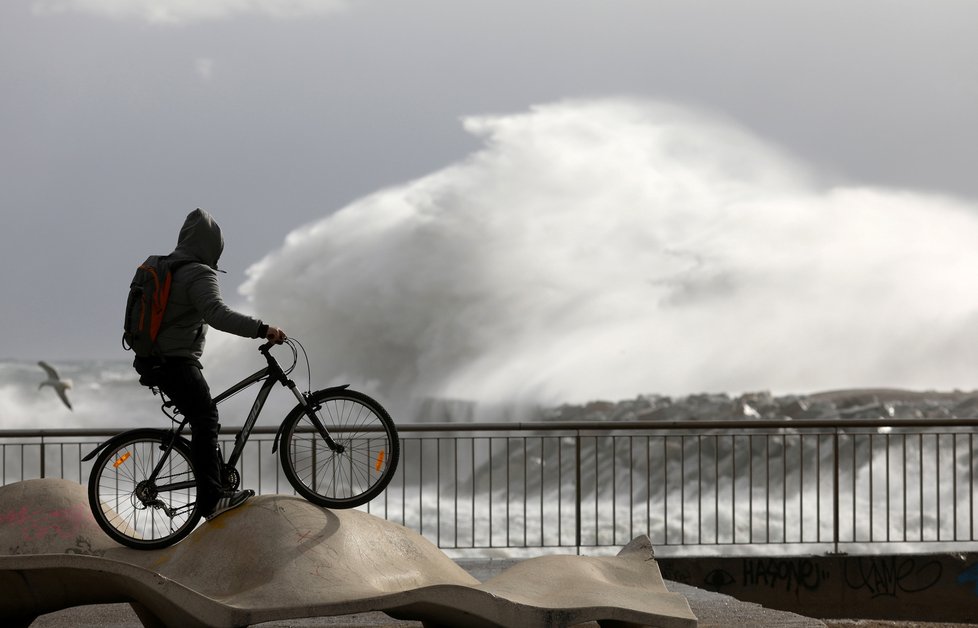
x=114 y=127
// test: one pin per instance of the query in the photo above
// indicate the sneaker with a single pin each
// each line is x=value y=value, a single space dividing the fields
x=231 y=499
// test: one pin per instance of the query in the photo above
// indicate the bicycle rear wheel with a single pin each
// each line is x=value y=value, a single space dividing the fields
x=347 y=478
x=135 y=511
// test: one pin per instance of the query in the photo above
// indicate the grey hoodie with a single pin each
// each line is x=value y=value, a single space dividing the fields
x=195 y=298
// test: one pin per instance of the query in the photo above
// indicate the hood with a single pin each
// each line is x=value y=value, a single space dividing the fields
x=200 y=239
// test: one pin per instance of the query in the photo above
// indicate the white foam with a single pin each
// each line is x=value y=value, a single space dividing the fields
x=600 y=249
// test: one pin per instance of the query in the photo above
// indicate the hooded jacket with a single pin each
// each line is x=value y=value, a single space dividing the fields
x=195 y=298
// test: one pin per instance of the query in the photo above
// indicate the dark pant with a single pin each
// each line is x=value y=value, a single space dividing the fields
x=183 y=382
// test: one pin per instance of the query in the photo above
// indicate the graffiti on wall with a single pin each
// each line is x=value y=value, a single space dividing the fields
x=877 y=576
x=792 y=574
x=891 y=575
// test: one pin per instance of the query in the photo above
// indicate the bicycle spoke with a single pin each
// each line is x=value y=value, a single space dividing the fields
x=364 y=462
x=135 y=510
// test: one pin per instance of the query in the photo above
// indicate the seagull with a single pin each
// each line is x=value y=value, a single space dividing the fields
x=54 y=381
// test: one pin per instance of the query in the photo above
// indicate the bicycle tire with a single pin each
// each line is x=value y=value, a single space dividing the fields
x=117 y=479
x=358 y=474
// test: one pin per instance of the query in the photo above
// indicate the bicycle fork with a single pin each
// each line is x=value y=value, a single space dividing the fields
x=310 y=411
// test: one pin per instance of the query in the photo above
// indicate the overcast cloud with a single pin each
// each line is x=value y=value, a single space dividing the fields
x=118 y=121
x=176 y=12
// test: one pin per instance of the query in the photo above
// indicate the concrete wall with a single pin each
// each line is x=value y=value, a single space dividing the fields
x=918 y=587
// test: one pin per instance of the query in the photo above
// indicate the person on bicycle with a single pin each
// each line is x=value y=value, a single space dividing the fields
x=194 y=304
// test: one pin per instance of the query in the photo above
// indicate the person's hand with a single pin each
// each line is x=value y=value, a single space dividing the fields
x=275 y=334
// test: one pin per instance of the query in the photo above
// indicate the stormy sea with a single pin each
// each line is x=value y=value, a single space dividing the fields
x=602 y=260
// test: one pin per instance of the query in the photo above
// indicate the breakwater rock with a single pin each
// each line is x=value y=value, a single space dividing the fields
x=843 y=404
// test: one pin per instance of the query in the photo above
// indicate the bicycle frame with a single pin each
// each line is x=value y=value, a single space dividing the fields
x=272 y=374
x=241 y=437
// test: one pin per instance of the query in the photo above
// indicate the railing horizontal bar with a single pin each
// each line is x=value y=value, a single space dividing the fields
x=583 y=426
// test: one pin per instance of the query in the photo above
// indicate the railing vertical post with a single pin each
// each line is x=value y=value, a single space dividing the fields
x=577 y=491
x=836 y=499
x=43 y=461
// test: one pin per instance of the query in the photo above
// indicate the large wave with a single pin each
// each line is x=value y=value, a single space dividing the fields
x=606 y=248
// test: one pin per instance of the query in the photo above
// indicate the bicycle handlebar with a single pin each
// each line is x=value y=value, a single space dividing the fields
x=292 y=343
x=269 y=344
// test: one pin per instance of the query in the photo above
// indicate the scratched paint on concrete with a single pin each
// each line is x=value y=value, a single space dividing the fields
x=30 y=526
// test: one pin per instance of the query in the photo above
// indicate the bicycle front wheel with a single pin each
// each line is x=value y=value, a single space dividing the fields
x=136 y=509
x=362 y=464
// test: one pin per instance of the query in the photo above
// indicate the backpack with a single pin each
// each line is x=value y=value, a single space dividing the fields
x=149 y=292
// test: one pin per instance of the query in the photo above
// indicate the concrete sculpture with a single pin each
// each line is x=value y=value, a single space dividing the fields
x=280 y=557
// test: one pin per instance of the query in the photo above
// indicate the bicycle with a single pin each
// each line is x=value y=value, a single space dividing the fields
x=339 y=449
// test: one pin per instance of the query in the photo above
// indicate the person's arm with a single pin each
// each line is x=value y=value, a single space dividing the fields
x=205 y=295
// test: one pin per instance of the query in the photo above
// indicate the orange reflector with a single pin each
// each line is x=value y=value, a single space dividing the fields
x=380 y=460
x=124 y=457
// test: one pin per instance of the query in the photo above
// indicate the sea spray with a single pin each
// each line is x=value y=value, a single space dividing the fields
x=604 y=248
x=104 y=394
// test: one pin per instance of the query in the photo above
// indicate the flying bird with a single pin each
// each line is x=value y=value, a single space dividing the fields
x=54 y=381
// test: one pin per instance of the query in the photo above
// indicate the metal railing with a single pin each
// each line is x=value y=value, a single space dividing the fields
x=732 y=486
